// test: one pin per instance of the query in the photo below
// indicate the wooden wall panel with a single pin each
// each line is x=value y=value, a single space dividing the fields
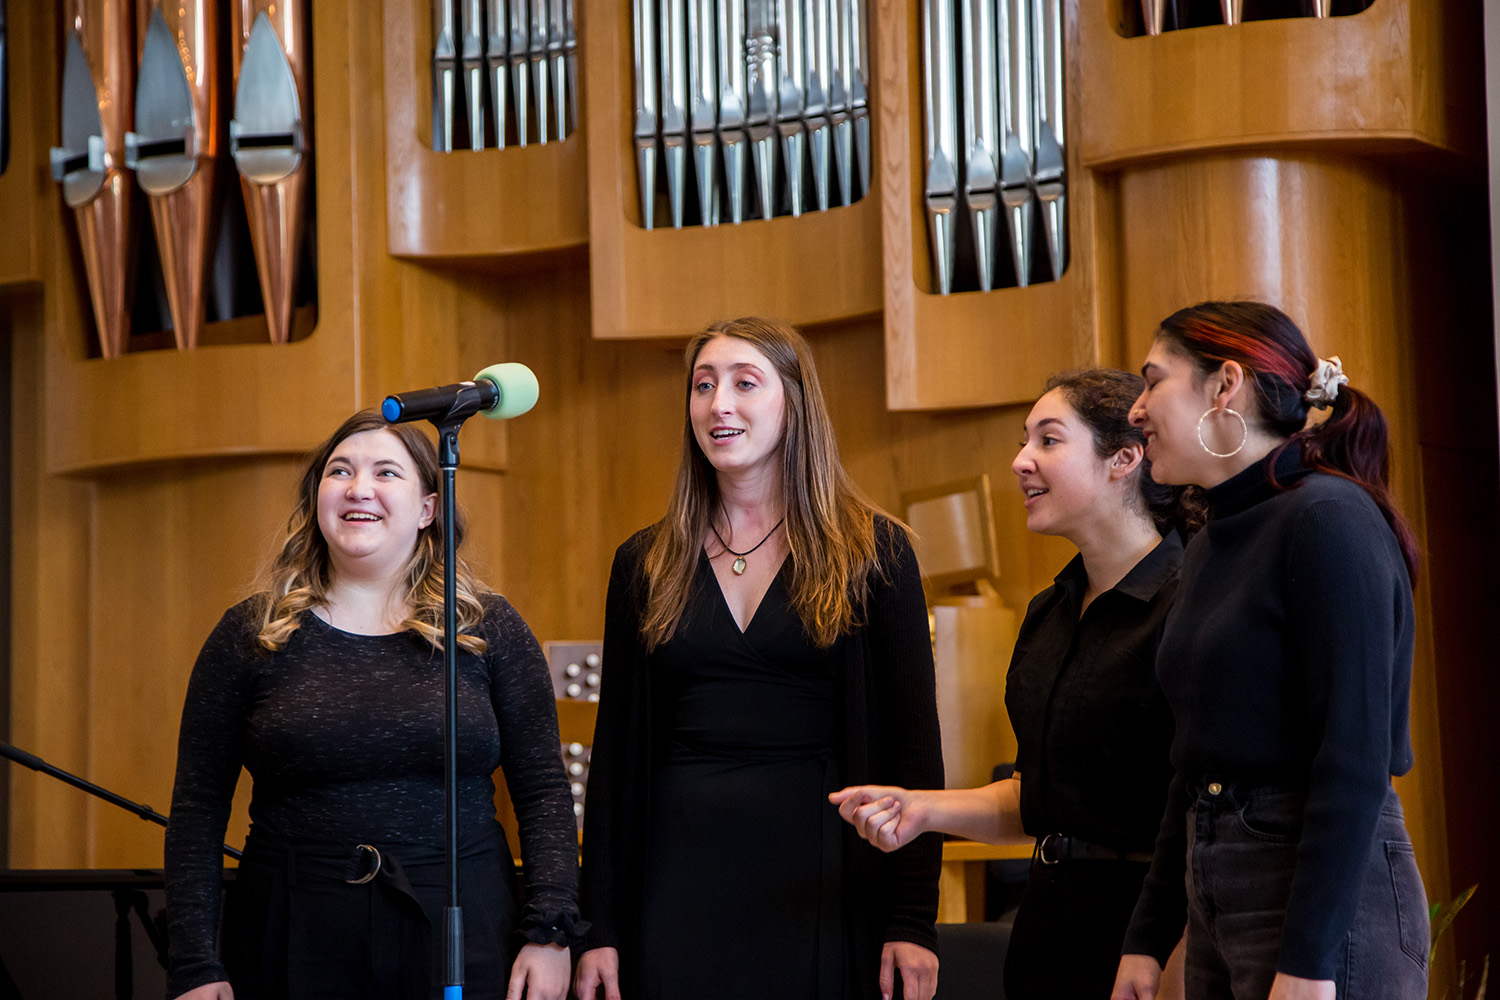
x=173 y=547
x=464 y=204
x=971 y=650
x=664 y=282
x=1321 y=236
x=1397 y=77
x=50 y=543
x=591 y=464
x=1453 y=364
x=49 y=602
x=25 y=180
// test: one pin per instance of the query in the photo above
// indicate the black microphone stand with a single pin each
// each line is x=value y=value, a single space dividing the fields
x=37 y=764
x=467 y=400
x=453 y=914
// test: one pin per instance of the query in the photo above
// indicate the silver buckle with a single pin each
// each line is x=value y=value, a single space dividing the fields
x=368 y=876
x=1041 y=848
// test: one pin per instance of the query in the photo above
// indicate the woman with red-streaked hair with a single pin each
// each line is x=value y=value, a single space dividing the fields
x=1287 y=663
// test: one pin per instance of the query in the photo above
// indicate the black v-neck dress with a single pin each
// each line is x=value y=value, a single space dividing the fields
x=744 y=859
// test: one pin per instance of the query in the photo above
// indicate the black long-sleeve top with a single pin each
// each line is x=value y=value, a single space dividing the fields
x=342 y=736
x=889 y=732
x=1287 y=660
x=1092 y=725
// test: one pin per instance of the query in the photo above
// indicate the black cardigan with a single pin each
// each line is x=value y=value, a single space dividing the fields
x=890 y=736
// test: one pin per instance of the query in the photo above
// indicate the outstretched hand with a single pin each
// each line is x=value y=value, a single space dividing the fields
x=886 y=816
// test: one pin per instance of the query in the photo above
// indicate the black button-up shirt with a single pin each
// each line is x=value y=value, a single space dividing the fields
x=1092 y=727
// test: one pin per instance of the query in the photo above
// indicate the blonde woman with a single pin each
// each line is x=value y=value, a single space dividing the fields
x=765 y=644
x=327 y=686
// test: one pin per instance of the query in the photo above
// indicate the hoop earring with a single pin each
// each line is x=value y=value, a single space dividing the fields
x=1244 y=432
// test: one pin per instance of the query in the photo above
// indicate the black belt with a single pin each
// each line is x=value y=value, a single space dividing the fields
x=1054 y=847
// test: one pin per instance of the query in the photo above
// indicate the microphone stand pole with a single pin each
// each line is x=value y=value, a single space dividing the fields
x=453 y=915
x=456 y=404
x=37 y=764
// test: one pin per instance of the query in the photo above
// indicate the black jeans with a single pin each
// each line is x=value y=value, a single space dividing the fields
x=1242 y=853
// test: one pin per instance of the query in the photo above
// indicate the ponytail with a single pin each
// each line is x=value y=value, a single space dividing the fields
x=1354 y=444
x=1286 y=377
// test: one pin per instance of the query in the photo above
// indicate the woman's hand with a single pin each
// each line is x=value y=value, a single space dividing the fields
x=599 y=967
x=209 y=991
x=541 y=971
x=1285 y=987
x=886 y=816
x=1139 y=978
x=918 y=968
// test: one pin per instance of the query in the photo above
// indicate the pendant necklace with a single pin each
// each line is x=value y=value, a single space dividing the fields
x=739 y=563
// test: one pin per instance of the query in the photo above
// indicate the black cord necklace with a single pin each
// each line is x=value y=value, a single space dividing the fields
x=739 y=563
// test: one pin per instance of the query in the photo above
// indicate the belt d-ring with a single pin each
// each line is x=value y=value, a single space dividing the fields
x=372 y=872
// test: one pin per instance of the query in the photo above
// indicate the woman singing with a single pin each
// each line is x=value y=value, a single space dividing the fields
x=1287 y=662
x=1092 y=727
x=765 y=644
x=327 y=686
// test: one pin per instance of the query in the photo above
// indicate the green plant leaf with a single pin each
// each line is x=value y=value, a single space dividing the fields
x=1443 y=917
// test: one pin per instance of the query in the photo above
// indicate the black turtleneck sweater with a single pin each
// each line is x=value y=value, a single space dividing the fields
x=1287 y=659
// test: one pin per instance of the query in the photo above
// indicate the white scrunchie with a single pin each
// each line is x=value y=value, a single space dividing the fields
x=1323 y=384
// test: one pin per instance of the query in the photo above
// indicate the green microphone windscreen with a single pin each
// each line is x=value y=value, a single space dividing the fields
x=517 y=386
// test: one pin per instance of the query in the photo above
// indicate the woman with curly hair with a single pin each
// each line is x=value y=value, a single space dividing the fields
x=327 y=686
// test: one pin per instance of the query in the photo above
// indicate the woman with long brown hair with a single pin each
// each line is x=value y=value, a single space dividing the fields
x=765 y=644
x=327 y=686
x=1287 y=662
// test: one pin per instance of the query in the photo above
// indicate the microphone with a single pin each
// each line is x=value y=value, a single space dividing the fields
x=499 y=392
